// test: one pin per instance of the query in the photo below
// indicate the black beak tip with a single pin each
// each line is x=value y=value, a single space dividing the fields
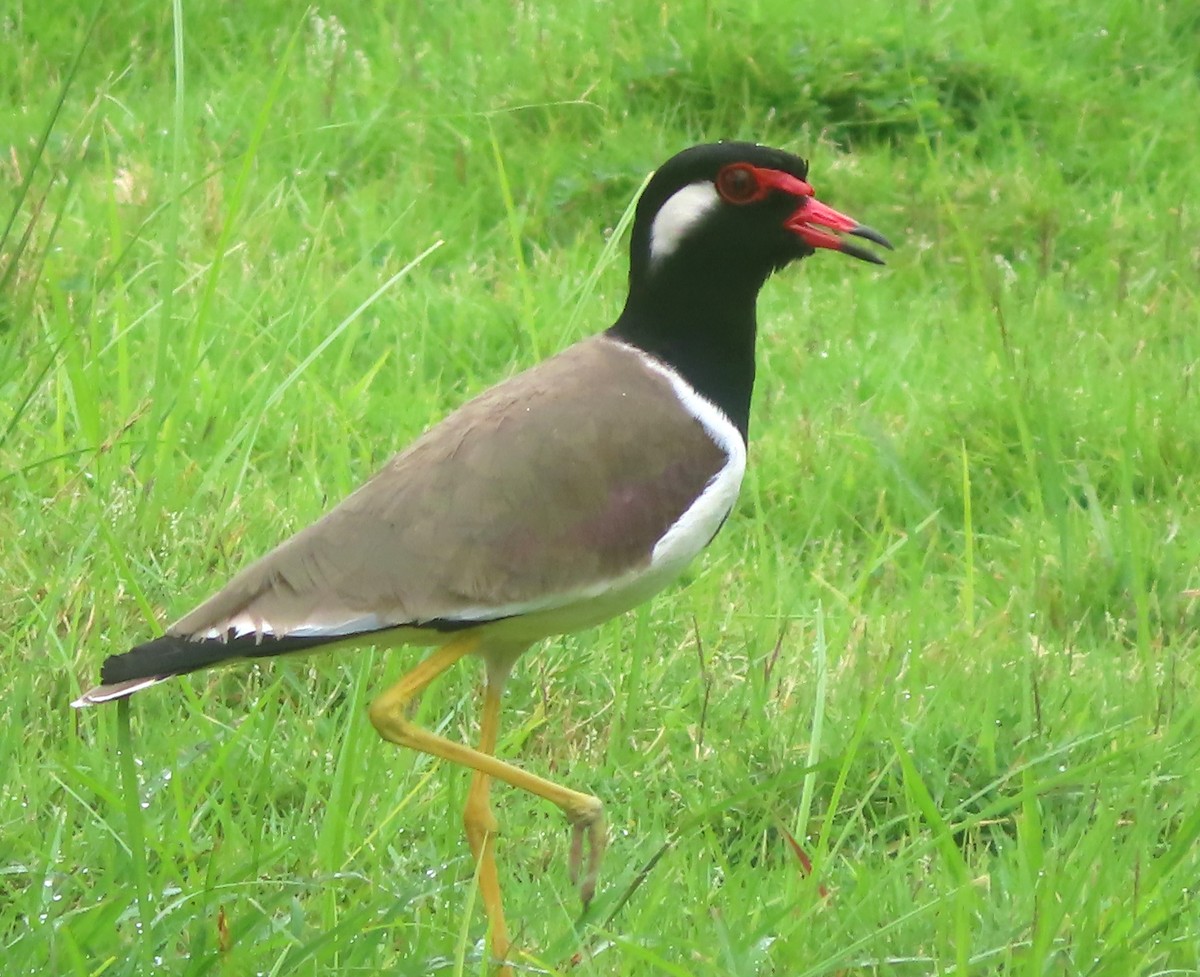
x=872 y=235
x=862 y=254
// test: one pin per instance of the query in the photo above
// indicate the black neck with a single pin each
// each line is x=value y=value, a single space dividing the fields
x=703 y=328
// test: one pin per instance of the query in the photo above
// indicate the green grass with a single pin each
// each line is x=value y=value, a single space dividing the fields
x=948 y=641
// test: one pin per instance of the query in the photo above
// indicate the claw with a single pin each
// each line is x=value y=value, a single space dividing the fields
x=588 y=822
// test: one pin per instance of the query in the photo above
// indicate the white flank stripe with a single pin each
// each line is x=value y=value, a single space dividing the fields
x=242 y=625
x=697 y=526
x=676 y=218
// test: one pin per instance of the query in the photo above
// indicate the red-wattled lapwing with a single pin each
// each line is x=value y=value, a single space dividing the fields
x=551 y=502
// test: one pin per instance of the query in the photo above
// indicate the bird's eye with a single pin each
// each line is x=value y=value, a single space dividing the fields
x=738 y=184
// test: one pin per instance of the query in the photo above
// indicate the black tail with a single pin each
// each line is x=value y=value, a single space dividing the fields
x=173 y=655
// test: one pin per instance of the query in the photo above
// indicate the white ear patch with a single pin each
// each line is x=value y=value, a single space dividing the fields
x=675 y=219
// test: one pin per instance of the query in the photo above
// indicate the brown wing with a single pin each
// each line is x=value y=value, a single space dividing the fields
x=563 y=477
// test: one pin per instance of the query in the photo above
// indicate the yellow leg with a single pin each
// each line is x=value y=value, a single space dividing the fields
x=481 y=825
x=389 y=716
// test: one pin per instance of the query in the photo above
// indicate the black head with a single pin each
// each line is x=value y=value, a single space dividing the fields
x=735 y=210
x=712 y=224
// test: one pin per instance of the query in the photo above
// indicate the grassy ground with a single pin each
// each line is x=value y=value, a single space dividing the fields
x=948 y=640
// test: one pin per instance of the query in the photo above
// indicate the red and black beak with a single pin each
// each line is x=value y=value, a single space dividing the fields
x=819 y=225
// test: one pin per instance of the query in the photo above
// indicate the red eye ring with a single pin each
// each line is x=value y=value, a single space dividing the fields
x=738 y=183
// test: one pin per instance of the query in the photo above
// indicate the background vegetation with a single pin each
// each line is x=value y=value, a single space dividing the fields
x=947 y=644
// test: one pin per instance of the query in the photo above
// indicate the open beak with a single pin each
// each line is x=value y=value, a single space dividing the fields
x=821 y=226
x=818 y=225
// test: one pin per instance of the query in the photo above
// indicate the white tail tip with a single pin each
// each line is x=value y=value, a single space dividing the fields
x=118 y=690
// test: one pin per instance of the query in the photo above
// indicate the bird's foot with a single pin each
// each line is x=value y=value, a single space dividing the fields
x=587 y=822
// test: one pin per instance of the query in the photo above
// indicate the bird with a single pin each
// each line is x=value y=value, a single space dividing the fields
x=561 y=497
